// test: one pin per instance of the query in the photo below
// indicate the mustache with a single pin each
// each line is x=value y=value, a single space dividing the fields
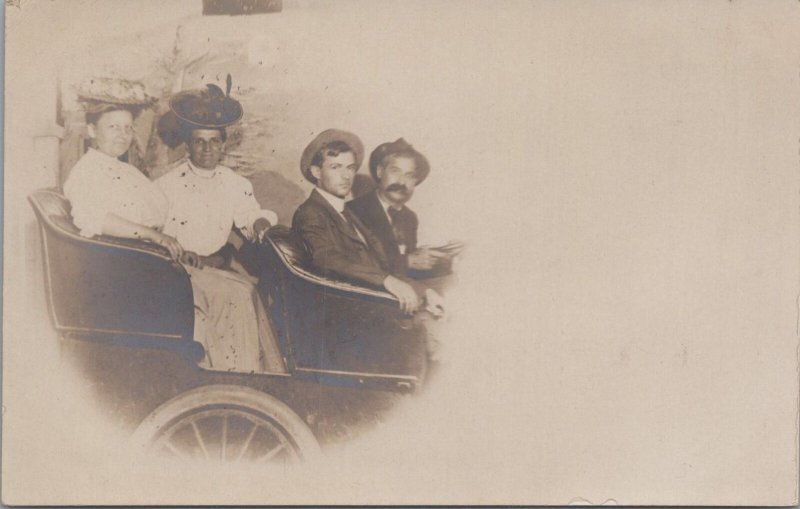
x=397 y=187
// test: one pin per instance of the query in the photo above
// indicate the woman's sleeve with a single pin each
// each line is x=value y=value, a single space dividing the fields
x=84 y=190
x=248 y=210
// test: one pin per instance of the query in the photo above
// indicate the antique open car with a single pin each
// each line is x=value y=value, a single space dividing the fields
x=124 y=312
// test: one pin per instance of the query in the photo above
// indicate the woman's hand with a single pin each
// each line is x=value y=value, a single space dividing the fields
x=260 y=227
x=191 y=259
x=173 y=246
x=216 y=261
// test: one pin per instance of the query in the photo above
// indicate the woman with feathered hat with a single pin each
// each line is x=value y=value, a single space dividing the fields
x=207 y=200
x=111 y=197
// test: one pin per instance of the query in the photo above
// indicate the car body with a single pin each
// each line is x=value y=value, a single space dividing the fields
x=124 y=310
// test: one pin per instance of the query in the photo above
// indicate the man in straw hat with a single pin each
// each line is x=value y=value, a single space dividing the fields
x=207 y=199
x=340 y=244
x=397 y=169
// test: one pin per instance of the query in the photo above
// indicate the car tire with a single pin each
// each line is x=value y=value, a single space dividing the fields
x=227 y=423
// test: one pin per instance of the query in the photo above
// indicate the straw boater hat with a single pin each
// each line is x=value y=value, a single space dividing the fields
x=98 y=94
x=326 y=138
x=399 y=146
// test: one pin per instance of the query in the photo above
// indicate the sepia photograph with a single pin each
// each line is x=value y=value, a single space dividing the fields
x=272 y=252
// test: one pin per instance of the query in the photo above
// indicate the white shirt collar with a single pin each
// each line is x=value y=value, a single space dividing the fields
x=93 y=152
x=201 y=172
x=336 y=202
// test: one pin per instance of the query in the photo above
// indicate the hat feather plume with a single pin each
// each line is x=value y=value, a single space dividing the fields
x=214 y=91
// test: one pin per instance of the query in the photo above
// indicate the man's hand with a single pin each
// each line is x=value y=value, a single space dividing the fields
x=260 y=227
x=409 y=301
x=424 y=258
x=191 y=259
x=434 y=303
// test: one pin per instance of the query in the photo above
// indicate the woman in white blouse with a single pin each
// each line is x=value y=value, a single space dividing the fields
x=114 y=198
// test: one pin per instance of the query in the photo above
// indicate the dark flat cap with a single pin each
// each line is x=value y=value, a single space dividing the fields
x=207 y=108
x=324 y=139
x=399 y=147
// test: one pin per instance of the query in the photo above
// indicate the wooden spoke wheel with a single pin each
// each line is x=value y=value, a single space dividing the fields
x=227 y=423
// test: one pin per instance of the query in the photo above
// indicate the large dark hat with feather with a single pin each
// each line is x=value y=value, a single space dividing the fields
x=207 y=108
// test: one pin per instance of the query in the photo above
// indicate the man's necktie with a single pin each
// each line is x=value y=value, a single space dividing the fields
x=398 y=227
x=348 y=215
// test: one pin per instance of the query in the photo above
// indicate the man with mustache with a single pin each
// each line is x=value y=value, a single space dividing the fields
x=397 y=169
x=339 y=243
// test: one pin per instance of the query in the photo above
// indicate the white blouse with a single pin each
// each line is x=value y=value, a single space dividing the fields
x=205 y=204
x=100 y=184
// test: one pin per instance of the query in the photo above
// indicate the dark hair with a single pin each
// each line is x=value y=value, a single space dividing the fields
x=332 y=149
x=96 y=110
x=186 y=132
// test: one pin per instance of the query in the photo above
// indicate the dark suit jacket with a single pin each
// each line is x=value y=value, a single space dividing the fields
x=370 y=211
x=336 y=248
